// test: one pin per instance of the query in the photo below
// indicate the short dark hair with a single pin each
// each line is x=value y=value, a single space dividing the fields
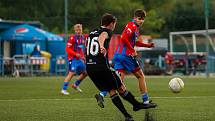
x=107 y=19
x=140 y=13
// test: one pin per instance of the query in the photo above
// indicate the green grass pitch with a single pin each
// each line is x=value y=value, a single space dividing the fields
x=38 y=99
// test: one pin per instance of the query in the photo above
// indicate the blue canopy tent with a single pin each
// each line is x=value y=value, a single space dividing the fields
x=23 y=38
x=26 y=36
x=23 y=32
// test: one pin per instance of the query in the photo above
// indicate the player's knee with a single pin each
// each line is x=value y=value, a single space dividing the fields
x=139 y=75
x=112 y=92
x=122 y=89
x=124 y=93
x=71 y=74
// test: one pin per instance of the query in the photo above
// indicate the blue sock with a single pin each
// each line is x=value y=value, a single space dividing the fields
x=103 y=93
x=65 y=85
x=145 y=97
x=77 y=82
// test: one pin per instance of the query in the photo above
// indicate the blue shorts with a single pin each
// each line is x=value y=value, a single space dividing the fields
x=126 y=63
x=77 y=65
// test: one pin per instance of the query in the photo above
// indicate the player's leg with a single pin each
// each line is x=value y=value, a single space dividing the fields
x=66 y=83
x=131 y=65
x=69 y=76
x=143 y=89
x=80 y=69
x=128 y=96
x=142 y=83
x=99 y=97
x=121 y=72
x=96 y=77
x=118 y=103
x=80 y=78
x=128 y=63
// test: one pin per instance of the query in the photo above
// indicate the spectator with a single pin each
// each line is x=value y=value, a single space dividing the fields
x=36 y=52
x=169 y=63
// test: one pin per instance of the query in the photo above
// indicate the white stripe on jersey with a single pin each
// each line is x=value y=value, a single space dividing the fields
x=129 y=30
x=69 y=44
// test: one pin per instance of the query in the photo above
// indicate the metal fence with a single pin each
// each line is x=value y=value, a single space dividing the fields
x=211 y=64
x=7 y=66
x=1 y=65
x=35 y=65
x=20 y=65
x=189 y=64
x=23 y=65
x=60 y=65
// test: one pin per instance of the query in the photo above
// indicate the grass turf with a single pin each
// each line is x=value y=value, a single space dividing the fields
x=38 y=99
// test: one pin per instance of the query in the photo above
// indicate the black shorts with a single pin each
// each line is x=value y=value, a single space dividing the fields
x=105 y=79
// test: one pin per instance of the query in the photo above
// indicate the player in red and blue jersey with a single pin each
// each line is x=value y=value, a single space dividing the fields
x=124 y=58
x=75 y=49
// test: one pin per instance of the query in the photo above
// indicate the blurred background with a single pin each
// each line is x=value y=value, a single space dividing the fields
x=182 y=30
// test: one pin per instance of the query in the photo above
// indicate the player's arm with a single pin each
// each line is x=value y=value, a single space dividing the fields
x=125 y=38
x=101 y=41
x=69 y=48
x=141 y=44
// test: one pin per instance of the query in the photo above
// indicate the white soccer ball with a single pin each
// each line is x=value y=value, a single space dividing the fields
x=176 y=85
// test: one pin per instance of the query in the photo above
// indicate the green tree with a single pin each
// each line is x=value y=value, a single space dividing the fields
x=163 y=16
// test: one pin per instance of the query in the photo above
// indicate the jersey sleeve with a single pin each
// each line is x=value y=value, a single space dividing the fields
x=69 y=46
x=126 y=36
x=141 y=44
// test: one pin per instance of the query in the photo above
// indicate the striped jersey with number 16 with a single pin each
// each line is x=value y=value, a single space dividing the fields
x=93 y=56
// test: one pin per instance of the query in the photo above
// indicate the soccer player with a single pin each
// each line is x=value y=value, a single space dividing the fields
x=99 y=70
x=124 y=58
x=75 y=49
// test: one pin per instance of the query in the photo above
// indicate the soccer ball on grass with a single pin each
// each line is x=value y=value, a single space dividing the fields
x=176 y=85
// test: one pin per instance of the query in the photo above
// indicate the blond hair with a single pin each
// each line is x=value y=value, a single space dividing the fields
x=77 y=26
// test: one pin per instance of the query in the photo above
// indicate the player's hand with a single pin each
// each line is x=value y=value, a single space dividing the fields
x=79 y=56
x=84 y=59
x=103 y=50
x=134 y=54
x=151 y=45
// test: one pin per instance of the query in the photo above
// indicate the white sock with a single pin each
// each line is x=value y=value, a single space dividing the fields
x=146 y=102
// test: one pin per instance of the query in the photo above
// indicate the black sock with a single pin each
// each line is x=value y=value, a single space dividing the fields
x=118 y=103
x=130 y=98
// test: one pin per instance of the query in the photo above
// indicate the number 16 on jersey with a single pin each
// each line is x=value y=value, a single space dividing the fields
x=93 y=46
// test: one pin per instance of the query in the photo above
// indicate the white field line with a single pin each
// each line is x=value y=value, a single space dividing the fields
x=79 y=99
x=181 y=76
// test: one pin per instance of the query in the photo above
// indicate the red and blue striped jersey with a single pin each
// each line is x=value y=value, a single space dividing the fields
x=128 y=39
x=75 y=45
